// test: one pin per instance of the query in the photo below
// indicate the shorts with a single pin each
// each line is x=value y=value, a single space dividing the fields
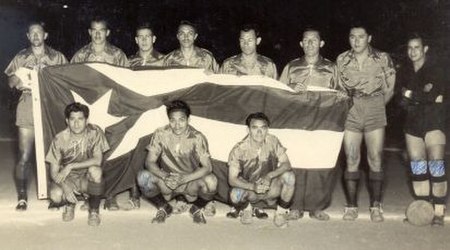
x=24 y=112
x=368 y=113
x=421 y=119
x=78 y=181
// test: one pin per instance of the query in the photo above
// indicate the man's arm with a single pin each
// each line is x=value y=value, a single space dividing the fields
x=152 y=166
x=235 y=181
x=285 y=165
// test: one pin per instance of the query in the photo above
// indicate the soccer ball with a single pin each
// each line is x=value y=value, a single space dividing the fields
x=420 y=213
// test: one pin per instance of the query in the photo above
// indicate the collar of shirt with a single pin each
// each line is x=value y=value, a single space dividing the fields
x=49 y=52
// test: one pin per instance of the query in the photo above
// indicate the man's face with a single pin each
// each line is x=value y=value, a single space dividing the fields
x=359 y=39
x=258 y=130
x=186 y=36
x=416 y=50
x=145 y=39
x=311 y=43
x=178 y=122
x=98 y=32
x=248 y=42
x=36 y=35
x=77 y=122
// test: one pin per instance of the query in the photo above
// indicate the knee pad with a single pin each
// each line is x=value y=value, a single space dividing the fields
x=288 y=178
x=351 y=176
x=376 y=176
x=236 y=195
x=419 y=170
x=437 y=170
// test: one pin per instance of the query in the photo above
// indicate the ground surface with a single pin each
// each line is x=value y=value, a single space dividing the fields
x=39 y=228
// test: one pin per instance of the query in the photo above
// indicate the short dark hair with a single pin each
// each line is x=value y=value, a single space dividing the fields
x=250 y=26
x=189 y=23
x=419 y=36
x=311 y=28
x=178 y=105
x=36 y=22
x=257 y=116
x=76 y=107
x=362 y=25
x=99 y=19
x=145 y=25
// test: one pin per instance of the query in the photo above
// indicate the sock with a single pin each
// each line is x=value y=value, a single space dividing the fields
x=200 y=202
x=94 y=202
x=158 y=201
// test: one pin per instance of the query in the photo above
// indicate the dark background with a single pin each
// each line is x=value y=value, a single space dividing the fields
x=281 y=23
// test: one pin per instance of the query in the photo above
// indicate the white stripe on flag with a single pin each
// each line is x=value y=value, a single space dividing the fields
x=306 y=149
x=166 y=81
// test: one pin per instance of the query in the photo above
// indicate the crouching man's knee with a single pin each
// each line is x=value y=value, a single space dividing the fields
x=146 y=182
x=288 y=178
x=56 y=194
x=210 y=184
x=95 y=174
x=237 y=195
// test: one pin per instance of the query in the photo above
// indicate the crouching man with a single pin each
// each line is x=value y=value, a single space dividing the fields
x=75 y=158
x=178 y=163
x=259 y=170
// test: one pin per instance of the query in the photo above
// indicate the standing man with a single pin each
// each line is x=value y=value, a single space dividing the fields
x=259 y=170
x=100 y=50
x=37 y=56
x=423 y=90
x=313 y=186
x=188 y=54
x=75 y=158
x=368 y=75
x=178 y=163
x=249 y=62
x=147 y=55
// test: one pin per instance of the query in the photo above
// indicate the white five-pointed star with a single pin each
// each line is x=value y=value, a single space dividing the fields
x=98 y=111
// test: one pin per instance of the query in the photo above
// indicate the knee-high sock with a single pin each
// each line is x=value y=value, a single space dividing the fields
x=376 y=187
x=351 y=185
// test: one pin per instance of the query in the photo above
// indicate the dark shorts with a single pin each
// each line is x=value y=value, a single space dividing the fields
x=24 y=113
x=421 y=119
x=78 y=181
x=368 y=113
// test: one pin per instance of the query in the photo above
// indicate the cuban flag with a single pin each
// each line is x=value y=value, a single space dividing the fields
x=129 y=105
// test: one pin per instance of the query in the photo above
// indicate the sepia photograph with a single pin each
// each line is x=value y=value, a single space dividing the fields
x=226 y=124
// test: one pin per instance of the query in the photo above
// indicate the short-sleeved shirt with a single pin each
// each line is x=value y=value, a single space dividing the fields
x=111 y=54
x=25 y=58
x=200 y=58
x=178 y=153
x=67 y=148
x=154 y=59
x=370 y=79
x=253 y=161
x=323 y=73
x=262 y=66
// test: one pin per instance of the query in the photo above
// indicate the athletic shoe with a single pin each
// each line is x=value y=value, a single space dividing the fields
x=197 y=215
x=376 y=214
x=84 y=206
x=319 y=215
x=133 y=203
x=69 y=212
x=93 y=218
x=259 y=213
x=22 y=205
x=295 y=214
x=234 y=213
x=180 y=207
x=350 y=213
x=162 y=214
x=438 y=221
x=111 y=204
x=280 y=219
x=210 y=209
x=247 y=215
